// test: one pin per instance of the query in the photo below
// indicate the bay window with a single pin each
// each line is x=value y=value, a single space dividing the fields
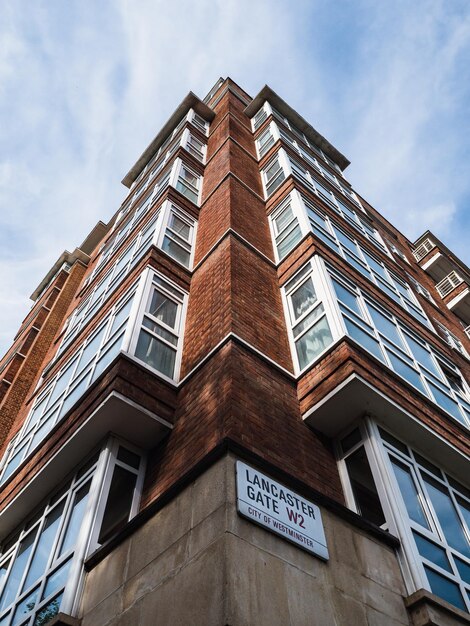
x=41 y=563
x=425 y=506
x=324 y=306
x=146 y=324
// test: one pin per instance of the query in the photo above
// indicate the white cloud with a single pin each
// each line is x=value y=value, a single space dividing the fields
x=85 y=86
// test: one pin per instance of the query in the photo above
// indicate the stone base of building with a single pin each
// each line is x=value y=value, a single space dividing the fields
x=197 y=562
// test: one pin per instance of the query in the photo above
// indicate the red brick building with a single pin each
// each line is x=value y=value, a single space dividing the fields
x=243 y=400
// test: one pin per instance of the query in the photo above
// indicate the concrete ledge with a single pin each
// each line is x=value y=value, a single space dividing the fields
x=426 y=609
x=61 y=619
x=355 y=397
x=117 y=415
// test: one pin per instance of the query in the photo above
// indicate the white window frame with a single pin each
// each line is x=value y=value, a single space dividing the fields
x=176 y=175
x=379 y=452
x=187 y=140
x=453 y=341
x=96 y=472
x=281 y=158
x=316 y=273
x=429 y=381
x=147 y=286
x=78 y=375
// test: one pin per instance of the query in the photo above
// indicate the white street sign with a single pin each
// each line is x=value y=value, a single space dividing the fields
x=280 y=510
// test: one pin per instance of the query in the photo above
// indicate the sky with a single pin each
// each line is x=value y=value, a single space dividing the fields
x=86 y=85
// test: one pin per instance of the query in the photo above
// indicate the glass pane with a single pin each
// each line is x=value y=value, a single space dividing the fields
x=364 y=339
x=284 y=218
x=44 y=546
x=464 y=569
x=289 y=242
x=445 y=588
x=176 y=251
x=303 y=298
x=25 y=607
x=274 y=184
x=90 y=350
x=428 y=465
x=422 y=355
x=394 y=442
x=57 y=579
x=385 y=326
x=11 y=588
x=429 y=550
x=186 y=191
x=447 y=403
x=406 y=371
x=308 y=320
x=447 y=516
x=128 y=457
x=182 y=228
x=313 y=342
x=410 y=494
x=363 y=486
x=159 y=330
x=120 y=316
x=106 y=357
x=347 y=297
x=119 y=503
x=156 y=354
x=75 y=520
x=48 y=612
x=163 y=309
x=12 y=464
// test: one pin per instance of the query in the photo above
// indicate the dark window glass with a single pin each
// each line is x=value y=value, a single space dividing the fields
x=118 y=506
x=363 y=486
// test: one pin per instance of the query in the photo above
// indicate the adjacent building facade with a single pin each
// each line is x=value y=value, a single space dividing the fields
x=243 y=400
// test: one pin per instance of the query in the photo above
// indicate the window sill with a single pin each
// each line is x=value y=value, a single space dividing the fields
x=426 y=609
x=61 y=619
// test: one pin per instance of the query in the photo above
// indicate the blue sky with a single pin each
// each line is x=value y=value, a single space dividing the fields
x=85 y=86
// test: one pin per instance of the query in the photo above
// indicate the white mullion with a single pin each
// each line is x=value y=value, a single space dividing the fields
x=338 y=327
x=129 y=340
x=72 y=595
x=414 y=575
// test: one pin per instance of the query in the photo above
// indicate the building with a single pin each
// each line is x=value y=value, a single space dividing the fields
x=243 y=400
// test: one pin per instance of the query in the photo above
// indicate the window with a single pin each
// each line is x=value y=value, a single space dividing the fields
x=389 y=340
x=361 y=487
x=397 y=251
x=194 y=146
x=168 y=148
x=188 y=183
x=41 y=563
x=420 y=289
x=88 y=308
x=158 y=339
x=309 y=328
x=259 y=118
x=285 y=228
x=264 y=142
x=365 y=262
x=324 y=305
x=62 y=391
x=427 y=508
x=199 y=122
x=273 y=175
x=171 y=229
x=148 y=326
x=178 y=235
x=452 y=340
